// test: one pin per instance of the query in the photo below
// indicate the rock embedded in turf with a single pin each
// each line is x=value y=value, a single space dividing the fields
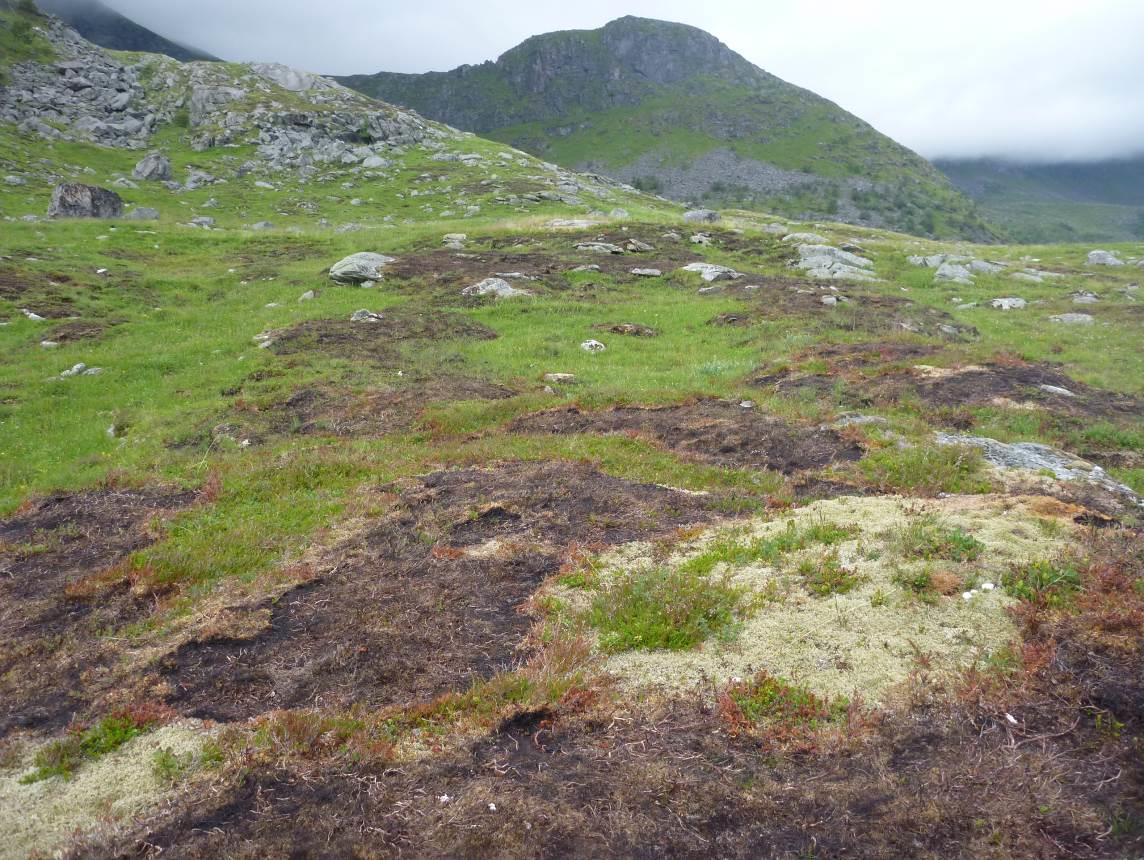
x=1073 y=319
x=560 y=378
x=592 y=346
x=647 y=273
x=804 y=239
x=599 y=248
x=75 y=200
x=360 y=267
x=711 y=272
x=498 y=287
x=1009 y=304
x=1035 y=457
x=143 y=213
x=366 y=316
x=702 y=216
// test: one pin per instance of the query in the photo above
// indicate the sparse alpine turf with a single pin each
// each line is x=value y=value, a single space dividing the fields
x=715 y=587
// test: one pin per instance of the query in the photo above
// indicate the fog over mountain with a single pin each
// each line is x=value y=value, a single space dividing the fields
x=1030 y=80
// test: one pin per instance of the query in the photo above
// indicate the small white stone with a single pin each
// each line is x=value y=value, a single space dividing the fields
x=492 y=807
x=967 y=595
x=988 y=586
x=592 y=346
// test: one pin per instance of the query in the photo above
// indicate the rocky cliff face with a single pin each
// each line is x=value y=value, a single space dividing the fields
x=674 y=110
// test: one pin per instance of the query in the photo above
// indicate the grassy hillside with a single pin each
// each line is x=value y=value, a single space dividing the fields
x=653 y=103
x=1098 y=202
x=317 y=569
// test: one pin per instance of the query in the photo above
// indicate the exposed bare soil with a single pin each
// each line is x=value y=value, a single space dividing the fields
x=709 y=430
x=424 y=602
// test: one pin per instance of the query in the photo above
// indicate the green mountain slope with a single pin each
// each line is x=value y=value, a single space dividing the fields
x=672 y=110
x=1094 y=202
x=367 y=493
x=107 y=28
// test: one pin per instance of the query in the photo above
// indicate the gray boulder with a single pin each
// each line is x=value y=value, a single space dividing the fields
x=359 y=268
x=73 y=200
x=702 y=216
x=143 y=213
x=155 y=167
x=954 y=273
x=1104 y=258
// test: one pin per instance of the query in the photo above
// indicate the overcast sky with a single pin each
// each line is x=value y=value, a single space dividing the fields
x=1027 y=79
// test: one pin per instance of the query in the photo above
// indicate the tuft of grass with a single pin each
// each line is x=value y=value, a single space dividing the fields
x=727 y=549
x=1045 y=583
x=926 y=470
x=826 y=575
x=663 y=609
x=928 y=538
x=63 y=757
x=786 y=713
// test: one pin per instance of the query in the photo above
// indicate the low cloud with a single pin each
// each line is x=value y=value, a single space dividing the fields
x=1025 y=79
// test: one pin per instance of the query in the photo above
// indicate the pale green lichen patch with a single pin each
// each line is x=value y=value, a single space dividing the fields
x=105 y=793
x=863 y=627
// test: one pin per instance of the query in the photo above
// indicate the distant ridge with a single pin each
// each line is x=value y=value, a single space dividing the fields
x=1097 y=201
x=109 y=29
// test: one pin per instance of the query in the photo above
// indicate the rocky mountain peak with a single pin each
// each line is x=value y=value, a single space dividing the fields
x=628 y=50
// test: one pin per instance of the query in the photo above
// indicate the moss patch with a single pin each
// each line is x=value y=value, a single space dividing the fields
x=43 y=816
x=865 y=637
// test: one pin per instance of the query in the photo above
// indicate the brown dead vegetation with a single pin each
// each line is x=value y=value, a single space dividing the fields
x=378 y=342
x=1040 y=761
x=885 y=373
x=50 y=634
